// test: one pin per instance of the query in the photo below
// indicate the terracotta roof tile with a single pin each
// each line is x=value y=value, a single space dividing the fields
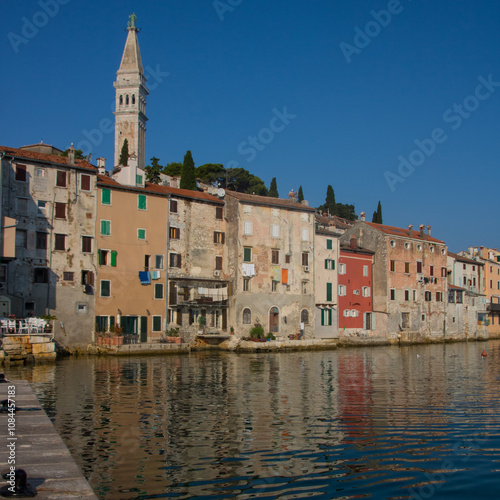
x=41 y=157
x=268 y=200
x=461 y=258
x=405 y=233
x=455 y=287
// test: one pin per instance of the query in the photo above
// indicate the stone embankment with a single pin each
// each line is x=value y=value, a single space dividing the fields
x=25 y=349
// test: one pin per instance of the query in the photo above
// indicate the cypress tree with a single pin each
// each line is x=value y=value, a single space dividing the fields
x=374 y=218
x=273 y=189
x=330 y=205
x=379 y=213
x=188 y=178
x=124 y=153
x=300 y=196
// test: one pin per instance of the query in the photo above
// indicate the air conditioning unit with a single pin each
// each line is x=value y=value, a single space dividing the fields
x=306 y=269
x=217 y=274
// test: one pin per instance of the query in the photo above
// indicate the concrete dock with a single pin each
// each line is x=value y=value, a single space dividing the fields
x=29 y=441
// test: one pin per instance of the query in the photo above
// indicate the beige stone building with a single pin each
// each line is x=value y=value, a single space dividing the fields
x=271 y=264
x=51 y=200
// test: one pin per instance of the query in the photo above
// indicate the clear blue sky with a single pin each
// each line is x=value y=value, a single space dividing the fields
x=353 y=105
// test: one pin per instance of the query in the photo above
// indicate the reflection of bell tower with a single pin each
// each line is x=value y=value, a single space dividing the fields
x=131 y=92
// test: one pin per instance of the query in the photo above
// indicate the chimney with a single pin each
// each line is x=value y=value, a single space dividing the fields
x=71 y=155
x=305 y=203
x=410 y=230
x=101 y=165
x=422 y=228
x=362 y=217
x=292 y=196
x=354 y=242
x=429 y=230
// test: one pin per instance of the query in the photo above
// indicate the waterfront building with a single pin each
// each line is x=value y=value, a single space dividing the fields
x=409 y=280
x=356 y=317
x=466 y=305
x=48 y=232
x=271 y=264
x=326 y=258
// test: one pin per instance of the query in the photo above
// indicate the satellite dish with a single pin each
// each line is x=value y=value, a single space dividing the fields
x=221 y=192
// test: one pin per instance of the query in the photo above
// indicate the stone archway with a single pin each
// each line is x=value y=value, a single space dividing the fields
x=274 y=320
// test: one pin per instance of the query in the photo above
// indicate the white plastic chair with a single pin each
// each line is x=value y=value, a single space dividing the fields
x=24 y=327
x=11 y=325
x=4 y=325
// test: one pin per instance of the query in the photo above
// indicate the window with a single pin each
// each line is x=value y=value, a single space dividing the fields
x=247 y=209
x=431 y=249
x=159 y=291
x=42 y=208
x=428 y=296
x=60 y=242
x=407 y=245
x=141 y=202
x=85 y=182
x=41 y=275
x=61 y=178
x=157 y=324
x=419 y=247
x=247 y=254
x=275 y=231
x=68 y=276
x=219 y=213
x=218 y=263
x=414 y=295
x=329 y=292
x=342 y=268
x=105 y=288
x=173 y=206
x=465 y=280
x=175 y=233
x=305 y=234
x=138 y=180
x=22 y=205
x=247 y=227
x=246 y=284
x=60 y=210
x=444 y=272
x=451 y=296
x=459 y=296
x=464 y=266
x=431 y=270
x=329 y=244
x=106 y=197
x=133 y=98
x=443 y=251
x=288 y=258
x=105 y=227
x=175 y=260
x=393 y=294
x=86 y=244
x=39 y=172
x=366 y=290
x=247 y=316
x=275 y=256
x=329 y=264
x=305 y=286
x=407 y=295
x=326 y=317
x=41 y=241
x=274 y=286
x=304 y=316
x=407 y=268
x=158 y=261
x=365 y=270
x=423 y=317
x=219 y=237
x=21 y=173
x=141 y=234
x=392 y=266
x=87 y=278
x=21 y=238
x=305 y=258
x=405 y=320
x=147 y=260
x=392 y=243
x=342 y=290
x=439 y=296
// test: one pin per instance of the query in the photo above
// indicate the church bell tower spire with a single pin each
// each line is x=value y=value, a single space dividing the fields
x=131 y=93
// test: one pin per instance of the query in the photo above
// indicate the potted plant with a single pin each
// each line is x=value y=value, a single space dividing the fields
x=202 y=321
x=172 y=336
x=257 y=333
x=48 y=319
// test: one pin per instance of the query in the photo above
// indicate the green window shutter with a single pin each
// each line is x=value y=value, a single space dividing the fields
x=158 y=291
x=106 y=197
x=99 y=254
x=113 y=257
x=141 y=203
x=329 y=292
x=247 y=254
x=330 y=317
x=329 y=244
x=141 y=234
x=138 y=179
x=156 y=323
x=111 y=321
x=326 y=263
x=333 y=264
x=105 y=227
x=322 y=317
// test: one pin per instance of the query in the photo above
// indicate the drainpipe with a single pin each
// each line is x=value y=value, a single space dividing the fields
x=167 y=242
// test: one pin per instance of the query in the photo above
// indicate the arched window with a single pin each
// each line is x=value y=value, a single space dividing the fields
x=126 y=99
x=247 y=316
x=274 y=320
x=304 y=316
x=133 y=98
x=121 y=100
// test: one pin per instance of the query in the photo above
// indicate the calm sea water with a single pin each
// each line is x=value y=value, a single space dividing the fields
x=391 y=423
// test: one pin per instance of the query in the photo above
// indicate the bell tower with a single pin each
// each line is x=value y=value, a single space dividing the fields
x=131 y=93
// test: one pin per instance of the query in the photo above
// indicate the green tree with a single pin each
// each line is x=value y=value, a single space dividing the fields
x=173 y=169
x=330 y=206
x=153 y=171
x=379 y=213
x=374 y=218
x=78 y=154
x=242 y=181
x=300 y=196
x=346 y=211
x=273 y=189
x=211 y=173
x=188 y=178
x=124 y=153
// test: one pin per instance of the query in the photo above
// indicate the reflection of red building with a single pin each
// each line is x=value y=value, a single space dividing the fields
x=355 y=287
